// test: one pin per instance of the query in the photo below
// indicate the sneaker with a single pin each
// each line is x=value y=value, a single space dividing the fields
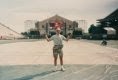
x=63 y=69
x=55 y=69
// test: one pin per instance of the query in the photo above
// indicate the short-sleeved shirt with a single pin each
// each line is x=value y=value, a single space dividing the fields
x=58 y=39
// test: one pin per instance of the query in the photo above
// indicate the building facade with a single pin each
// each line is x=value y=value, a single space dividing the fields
x=47 y=26
x=83 y=25
x=30 y=25
x=110 y=22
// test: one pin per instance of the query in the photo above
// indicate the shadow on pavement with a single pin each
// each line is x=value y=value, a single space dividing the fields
x=36 y=75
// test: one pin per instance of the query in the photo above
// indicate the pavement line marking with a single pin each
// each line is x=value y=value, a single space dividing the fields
x=109 y=75
x=81 y=70
x=86 y=69
x=102 y=77
x=108 y=67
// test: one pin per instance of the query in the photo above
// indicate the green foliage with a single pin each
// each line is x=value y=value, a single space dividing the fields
x=95 y=29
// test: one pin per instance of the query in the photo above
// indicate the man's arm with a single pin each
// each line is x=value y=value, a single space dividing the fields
x=47 y=38
x=68 y=37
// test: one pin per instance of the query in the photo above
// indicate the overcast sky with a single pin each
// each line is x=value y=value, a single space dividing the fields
x=13 y=13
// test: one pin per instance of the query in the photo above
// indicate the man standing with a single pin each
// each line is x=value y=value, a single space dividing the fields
x=58 y=45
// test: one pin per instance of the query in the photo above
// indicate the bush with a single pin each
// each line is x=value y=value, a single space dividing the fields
x=86 y=36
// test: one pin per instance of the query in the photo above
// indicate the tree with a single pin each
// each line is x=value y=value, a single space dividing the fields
x=24 y=33
x=91 y=29
x=95 y=29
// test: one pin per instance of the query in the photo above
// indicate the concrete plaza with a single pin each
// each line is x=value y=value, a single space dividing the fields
x=34 y=61
x=40 y=52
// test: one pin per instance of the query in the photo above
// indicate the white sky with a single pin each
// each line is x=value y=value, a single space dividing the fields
x=13 y=13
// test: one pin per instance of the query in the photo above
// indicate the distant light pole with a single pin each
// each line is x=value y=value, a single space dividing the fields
x=65 y=28
x=46 y=28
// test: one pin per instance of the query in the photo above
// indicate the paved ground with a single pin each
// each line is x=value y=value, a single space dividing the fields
x=110 y=43
x=17 y=40
x=40 y=52
x=33 y=60
x=73 y=72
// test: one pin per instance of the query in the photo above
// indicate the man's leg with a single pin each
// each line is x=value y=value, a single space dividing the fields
x=61 y=61
x=55 y=55
x=55 y=59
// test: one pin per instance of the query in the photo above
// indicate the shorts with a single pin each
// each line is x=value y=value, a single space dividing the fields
x=57 y=50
